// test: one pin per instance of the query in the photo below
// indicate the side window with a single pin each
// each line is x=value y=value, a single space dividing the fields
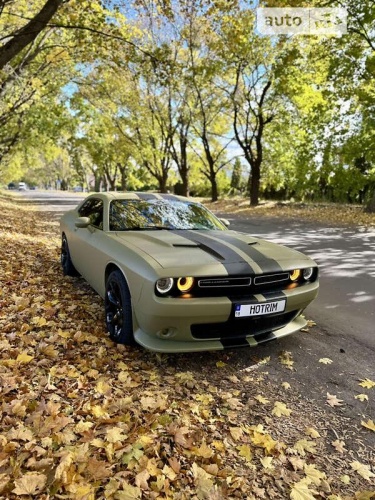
x=93 y=209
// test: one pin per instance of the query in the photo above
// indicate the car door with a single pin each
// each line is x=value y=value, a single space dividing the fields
x=89 y=254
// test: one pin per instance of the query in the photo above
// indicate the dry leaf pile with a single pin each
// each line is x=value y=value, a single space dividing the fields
x=82 y=418
x=329 y=213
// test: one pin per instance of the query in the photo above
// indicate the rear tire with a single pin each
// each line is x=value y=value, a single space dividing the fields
x=66 y=261
x=118 y=309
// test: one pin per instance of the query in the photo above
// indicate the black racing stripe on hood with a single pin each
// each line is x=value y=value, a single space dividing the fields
x=170 y=197
x=238 y=267
x=147 y=196
x=267 y=264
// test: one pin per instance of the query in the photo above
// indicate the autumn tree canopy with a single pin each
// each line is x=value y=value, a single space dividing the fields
x=169 y=95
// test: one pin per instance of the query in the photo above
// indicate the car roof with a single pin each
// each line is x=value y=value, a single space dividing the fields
x=137 y=195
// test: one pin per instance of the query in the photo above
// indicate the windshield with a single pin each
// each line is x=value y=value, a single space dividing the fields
x=131 y=215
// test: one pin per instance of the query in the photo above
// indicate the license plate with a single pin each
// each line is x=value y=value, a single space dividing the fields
x=245 y=310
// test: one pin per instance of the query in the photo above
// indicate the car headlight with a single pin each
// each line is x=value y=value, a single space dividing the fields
x=307 y=273
x=295 y=275
x=185 y=284
x=164 y=285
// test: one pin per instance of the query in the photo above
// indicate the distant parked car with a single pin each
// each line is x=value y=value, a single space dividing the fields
x=22 y=186
x=11 y=185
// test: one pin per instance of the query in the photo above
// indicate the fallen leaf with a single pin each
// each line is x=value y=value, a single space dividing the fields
x=286 y=359
x=364 y=495
x=301 y=491
x=30 y=484
x=339 y=446
x=220 y=364
x=333 y=401
x=303 y=445
x=267 y=462
x=23 y=357
x=325 y=361
x=261 y=399
x=369 y=425
x=362 y=397
x=203 y=481
x=313 y=433
x=367 y=383
x=345 y=479
x=286 y=385
x=362 y=469
x=280 y=410
x=314 y=474
x=245 y=451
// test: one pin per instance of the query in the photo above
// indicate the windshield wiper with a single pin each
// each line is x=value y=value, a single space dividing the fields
x=148 y=228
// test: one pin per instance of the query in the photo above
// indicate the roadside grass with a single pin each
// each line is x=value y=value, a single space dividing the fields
x=82 y=418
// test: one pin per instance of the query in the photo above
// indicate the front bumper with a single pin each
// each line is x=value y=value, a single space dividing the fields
x=164 y=324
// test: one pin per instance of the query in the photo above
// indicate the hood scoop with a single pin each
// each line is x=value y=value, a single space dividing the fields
x=203 y=247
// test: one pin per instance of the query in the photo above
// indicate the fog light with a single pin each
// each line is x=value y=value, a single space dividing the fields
x=164 y=285
x=185 y=284
x=294 y=275
x=307 y=273
x=166 y=333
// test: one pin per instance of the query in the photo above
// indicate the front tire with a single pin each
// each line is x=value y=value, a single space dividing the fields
x=118 y=310
x=66 y=261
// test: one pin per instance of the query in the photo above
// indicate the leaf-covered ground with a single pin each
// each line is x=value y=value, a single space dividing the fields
x=82 y=418
x=329 y=213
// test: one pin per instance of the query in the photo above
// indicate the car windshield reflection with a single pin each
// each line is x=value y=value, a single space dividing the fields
x=141 y=215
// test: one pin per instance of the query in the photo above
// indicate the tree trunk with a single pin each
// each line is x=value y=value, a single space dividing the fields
x=21 y=38
x=370 y=207
x=214 y=189
x=254 y=184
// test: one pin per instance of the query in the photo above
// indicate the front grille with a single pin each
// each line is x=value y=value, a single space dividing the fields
x=241 y=327
x=219 y=282
x=271 y=278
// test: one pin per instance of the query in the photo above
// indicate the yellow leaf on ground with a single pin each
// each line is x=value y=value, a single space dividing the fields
x=365 y=495
x=128 y=492
x=362 y=469
x=30 y=484
x=23 y=357
x=367 y=383
x=303 y=445
x=286 y=385
x=203 y=482
x=115 y=435
x=314 y=474
x=325 y=361
x=261 y=399
x=362 y=397
x=369 y=425
x=220 y=364
x=203 y=451
x=345 y=479
x=300 y=490
x=267 y=462
x=280 y=410
x=313 y=433
x=245 y=451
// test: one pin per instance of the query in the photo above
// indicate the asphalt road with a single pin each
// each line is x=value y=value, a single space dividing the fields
x=344 y=311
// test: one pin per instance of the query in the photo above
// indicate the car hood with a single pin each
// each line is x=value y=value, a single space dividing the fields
x=238 y=253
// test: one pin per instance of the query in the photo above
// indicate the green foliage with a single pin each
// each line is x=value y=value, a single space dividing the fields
x=148 y=95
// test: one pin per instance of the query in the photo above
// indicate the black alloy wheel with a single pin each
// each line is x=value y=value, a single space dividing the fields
x=118 y=310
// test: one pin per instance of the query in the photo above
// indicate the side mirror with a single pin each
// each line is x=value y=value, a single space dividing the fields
x=82 y=222
x=225 y=222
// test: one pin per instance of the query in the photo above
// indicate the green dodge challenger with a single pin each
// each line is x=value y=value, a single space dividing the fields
x=175 y=279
